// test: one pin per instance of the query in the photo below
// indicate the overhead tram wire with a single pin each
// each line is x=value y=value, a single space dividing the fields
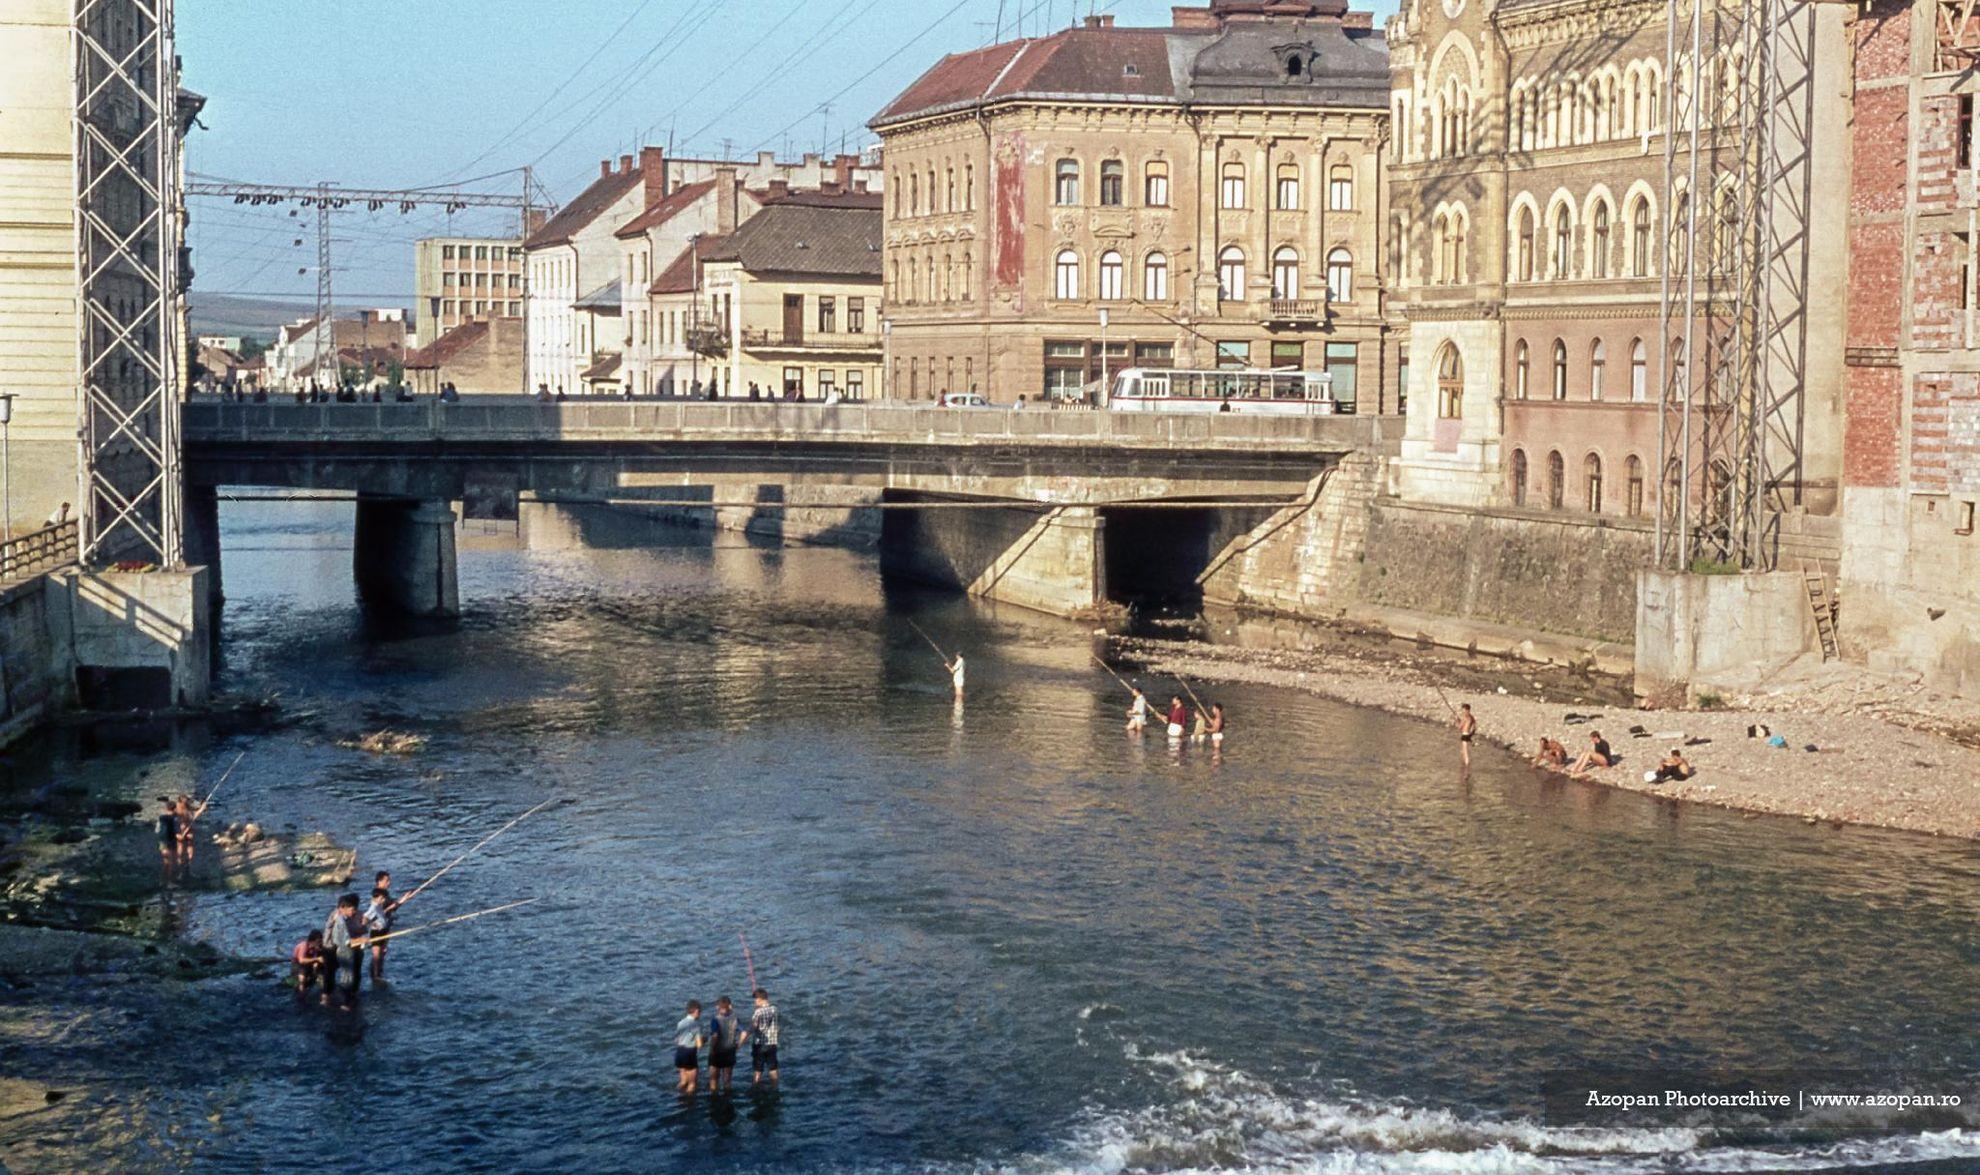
x=574 y=75
x=883 y=63
x=823 y=37
x=722 y=76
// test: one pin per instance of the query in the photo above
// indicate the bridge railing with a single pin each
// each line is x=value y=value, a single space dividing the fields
x=38 y=551
x=516 y=419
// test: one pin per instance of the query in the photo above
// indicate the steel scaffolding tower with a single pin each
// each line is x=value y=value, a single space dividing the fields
x=1740 y=105
x=128 y=230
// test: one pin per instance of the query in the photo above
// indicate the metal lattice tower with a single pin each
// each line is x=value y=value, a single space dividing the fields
x=128 y=233
x=1732 y=314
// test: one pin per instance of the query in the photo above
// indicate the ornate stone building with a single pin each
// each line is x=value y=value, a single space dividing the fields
x=1211 y=190
x=1527 y=167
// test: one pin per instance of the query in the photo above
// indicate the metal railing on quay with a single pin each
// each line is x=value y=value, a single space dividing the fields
x=38 y=551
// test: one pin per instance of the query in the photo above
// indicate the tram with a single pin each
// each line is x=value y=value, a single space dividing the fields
x=1283 y=392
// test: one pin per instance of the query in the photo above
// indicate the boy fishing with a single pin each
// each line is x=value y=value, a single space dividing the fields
x=725 y=1033
x=763 y=1034
x=687 y=1048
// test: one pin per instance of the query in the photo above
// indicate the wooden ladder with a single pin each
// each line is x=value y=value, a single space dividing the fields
x=1824 y=608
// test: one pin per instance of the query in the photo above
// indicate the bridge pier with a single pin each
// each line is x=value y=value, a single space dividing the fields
x=1053 y=560
x=202 y=537
x=403 y=556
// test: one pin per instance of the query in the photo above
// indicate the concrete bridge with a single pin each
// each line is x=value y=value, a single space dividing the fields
x=1012 y=504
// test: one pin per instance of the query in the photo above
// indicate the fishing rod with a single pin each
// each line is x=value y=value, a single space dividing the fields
x=1445 y=700
x=374 y=939
x=201 y=810
x=749 y=964
x=464 y=856
x=1112 y=674
x=1200 y=707
x=931 y=642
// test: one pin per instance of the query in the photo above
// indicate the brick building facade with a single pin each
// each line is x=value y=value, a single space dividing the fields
x=1911 y=557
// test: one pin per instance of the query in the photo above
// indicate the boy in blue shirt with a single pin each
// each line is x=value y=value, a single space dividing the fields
x=687 y=1048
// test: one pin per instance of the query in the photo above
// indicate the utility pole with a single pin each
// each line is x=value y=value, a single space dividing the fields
x=326 y=331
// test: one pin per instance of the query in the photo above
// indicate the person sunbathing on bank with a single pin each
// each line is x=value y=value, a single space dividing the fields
x=1598 y=754
x=1552 y=754
x=1673 y=766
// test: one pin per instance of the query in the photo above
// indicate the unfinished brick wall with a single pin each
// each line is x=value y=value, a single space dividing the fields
x=1874 y=396
x=1875 y=405
x=1938 y=123
x=1945 y=434
x=1938 y=279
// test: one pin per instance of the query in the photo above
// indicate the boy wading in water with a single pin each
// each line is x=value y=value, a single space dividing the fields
x=1467 y=728
x=1137 y=714
x=956 y=675
x=378 y=920
x=687 y=1048
x=168 y=838
x=344 y=943
x=306 y=962
x=725 y=1032
x=762 y=1038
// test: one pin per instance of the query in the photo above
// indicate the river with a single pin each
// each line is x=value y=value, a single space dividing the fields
x=1002 y=936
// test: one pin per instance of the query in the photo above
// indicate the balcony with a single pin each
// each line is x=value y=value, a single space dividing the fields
x=1297 y=312
x=757 y=339
x=711 y=341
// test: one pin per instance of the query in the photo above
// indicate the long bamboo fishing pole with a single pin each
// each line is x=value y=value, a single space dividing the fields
x=374 y=939
x=201 y=810
x=1445 y=700
x=464 y=856
x=749 y=964
x=931 y=642
x=1111 y=673
x=1200 y=707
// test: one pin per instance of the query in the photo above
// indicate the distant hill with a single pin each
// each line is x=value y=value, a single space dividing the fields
x=256 y=318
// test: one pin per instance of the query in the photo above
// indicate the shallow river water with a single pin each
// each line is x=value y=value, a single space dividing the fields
x=1002 y=936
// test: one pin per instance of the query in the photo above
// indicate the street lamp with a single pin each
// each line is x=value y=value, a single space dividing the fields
x=1100 y=400
x=7 y=461
x=886 y=358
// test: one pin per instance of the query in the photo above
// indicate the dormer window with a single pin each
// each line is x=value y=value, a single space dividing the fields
x=1130 y=71
x=1297 y=60
x=1294 y=63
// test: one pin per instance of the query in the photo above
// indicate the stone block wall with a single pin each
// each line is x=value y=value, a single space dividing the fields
x=33 y=680
x=1305 y=559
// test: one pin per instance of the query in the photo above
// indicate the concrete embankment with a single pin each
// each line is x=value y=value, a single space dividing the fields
x=1865 y=768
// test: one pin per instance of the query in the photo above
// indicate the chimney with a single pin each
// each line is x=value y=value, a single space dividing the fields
x=859 y=185
x=604 y=169
x=779 y=188
x=625 y=165
x=727 y=194
x=842 y=169
x=1193 y=18
x=653 y=170
x=830 y=187
x=1100 y=21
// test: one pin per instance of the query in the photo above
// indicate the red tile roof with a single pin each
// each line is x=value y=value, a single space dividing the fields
x=1089 y=62
x=447 y=347
x=682 y=197
x=590 y=204
x=679 y=277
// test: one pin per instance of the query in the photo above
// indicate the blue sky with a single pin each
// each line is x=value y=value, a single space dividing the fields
x=405 y=93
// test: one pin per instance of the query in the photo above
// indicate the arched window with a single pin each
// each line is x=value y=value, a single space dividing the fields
x=1598 y=362
x=969 y=187
x=1111 y=271
x=913 y=282
x=1563 y=244
x=1113 y=178
x=1065 y=275
x=1598 y=243
x=1231 y=192
x=1460 y=260
x=1680 y=215
x=968 y=290
x=1285 y=273
x=949 y=189
x=1286 y=191
x=1639 y=372
x=1556 y=480
x=1522 y=366
x=1639 y=238
x=1519 y=477
x=1523 y=261
x=914 y=193
x=1440 y=263
x=1230 y=274
x=1397 y=251
x=1340 y=187
x=1155 y=185
x=1065 y=189
x=1560 y=370
x=948 y=276
x=1450 y=384
x=1155 y=278
x=1340 y=275
x=1633 y=487
x=1591 y=483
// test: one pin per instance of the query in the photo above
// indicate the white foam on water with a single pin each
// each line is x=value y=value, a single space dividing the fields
x=1223 y=1120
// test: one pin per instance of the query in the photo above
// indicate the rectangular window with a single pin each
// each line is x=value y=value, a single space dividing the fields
x=855 y=384
x=1234 y=354
x=1340 y=188
x=1341 y=366
x=1289 y=355
x=1288 y=187
x=1155 y=186
x=481 y=252
x=1232 y=190
x=826 y=384
x=855 y=319
x=1112 y=178
x=1154 y=354
x=1402 y=378
x=1963 y=143
x=446 y=252
x=1061 y=349
x=794 y=381
x=828 y=318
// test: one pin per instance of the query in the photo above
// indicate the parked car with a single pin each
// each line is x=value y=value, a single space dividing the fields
x=963 y=400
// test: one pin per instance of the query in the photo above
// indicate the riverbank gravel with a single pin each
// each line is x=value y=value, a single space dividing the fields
x=1884 y=769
